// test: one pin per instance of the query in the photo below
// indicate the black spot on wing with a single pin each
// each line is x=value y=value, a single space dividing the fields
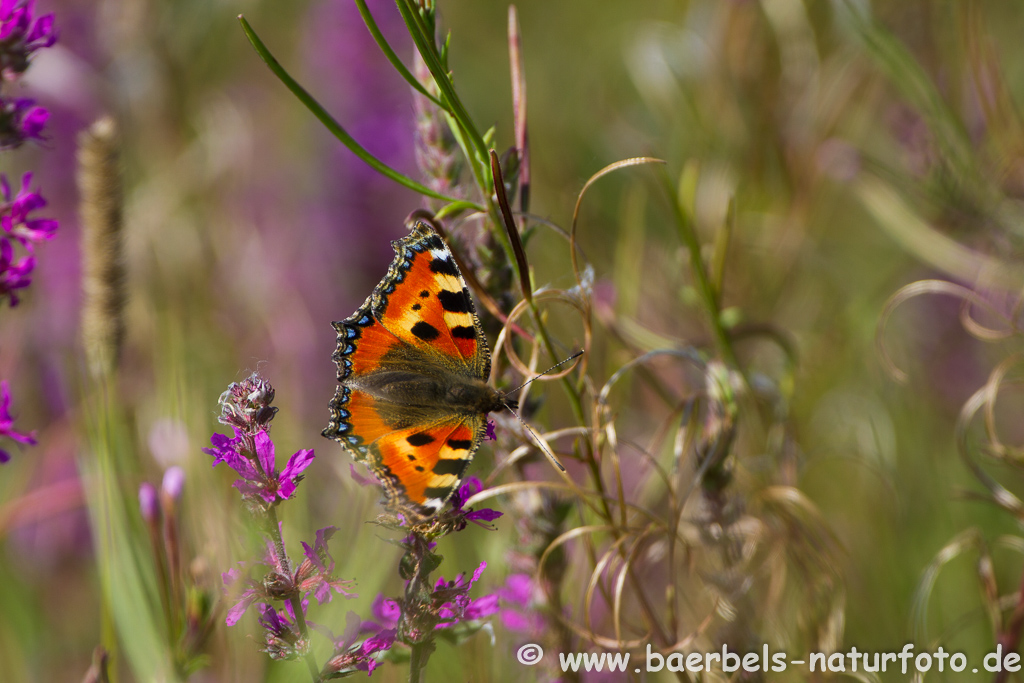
x=419 y=440
x=464 y=332
x=453 y=302
x=445 y=266
x=424 y=294
x=425 y=331
x=416 y=307
x=460 y=444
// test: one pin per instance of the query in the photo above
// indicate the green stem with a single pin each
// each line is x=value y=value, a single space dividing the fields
x=295 y=600
x=705 y=289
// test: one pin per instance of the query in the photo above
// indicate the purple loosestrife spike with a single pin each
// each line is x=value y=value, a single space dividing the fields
x=21 y=119
x=7 y=424
x=21 y=34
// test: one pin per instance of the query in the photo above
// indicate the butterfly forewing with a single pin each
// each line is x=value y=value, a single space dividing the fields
x=427 y=305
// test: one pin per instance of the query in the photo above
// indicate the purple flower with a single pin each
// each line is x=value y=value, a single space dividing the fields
x=259 y=477
x=20 y=120
x=469 y=488
x=21 y=34
x=517 y=595
x=149 y=502
x=173 y=482
x=7 y=424
x=489 y=433
x=14 y=275
x=456 y=605
x=315 y=573
x=281 y=637
x=386 y=611
x=14 y=214
x=348 y=656
x=245 y=598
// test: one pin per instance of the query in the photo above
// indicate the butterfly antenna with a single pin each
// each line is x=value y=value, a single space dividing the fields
x=572 y=357
x=543 y=446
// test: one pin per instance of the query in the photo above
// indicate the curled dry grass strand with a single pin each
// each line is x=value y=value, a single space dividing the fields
x=625 y=163
x=916 y=289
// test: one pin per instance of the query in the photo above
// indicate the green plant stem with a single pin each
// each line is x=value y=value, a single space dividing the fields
x=274 y=529
x=705 y=289
x=418 y=662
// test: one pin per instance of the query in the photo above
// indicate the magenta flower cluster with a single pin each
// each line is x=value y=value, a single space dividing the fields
x=257 y=467
x=245 y=407
x=22 y=232
x=313 y=577
x=21 y=119
x=21 y=34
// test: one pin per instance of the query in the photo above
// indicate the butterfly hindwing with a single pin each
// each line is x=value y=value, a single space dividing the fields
x=422 y=466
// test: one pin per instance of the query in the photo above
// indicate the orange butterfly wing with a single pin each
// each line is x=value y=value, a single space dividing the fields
x=422 y=466
x=419 y=323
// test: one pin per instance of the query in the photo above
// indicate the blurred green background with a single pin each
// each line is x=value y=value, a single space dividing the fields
x=862 y=155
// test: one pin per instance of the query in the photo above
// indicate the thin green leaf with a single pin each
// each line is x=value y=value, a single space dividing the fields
x=331 y=124
x=382 y=43
x=425 y=44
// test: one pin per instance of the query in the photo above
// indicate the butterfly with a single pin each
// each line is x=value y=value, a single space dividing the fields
x=413 y=364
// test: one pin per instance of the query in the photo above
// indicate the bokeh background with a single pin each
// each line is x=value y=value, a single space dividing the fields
x=860 y=160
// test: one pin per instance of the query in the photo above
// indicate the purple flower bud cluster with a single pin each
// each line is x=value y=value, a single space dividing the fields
x=21 y=34
x=245 y=407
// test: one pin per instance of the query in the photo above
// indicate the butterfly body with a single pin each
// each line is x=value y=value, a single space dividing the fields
x=413 y=365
